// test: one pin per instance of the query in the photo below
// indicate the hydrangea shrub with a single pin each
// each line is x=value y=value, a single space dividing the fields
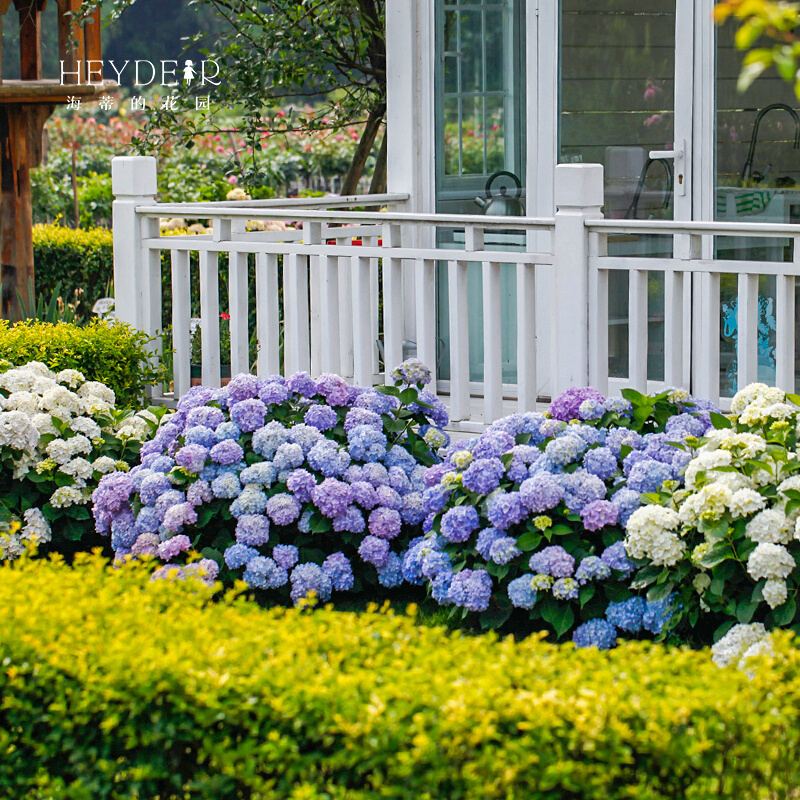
x=531 y=514
x=299 y=486
x=59 y=435
x=729 y=541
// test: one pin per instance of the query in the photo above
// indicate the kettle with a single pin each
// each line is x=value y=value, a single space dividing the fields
x=501 y=205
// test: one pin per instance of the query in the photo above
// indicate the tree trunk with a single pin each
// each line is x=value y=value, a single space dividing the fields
x=378 y=184
x=371 y=129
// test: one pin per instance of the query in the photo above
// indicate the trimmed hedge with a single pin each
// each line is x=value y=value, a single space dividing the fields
x=115 y=686
x=75 y=258
x=113 y=353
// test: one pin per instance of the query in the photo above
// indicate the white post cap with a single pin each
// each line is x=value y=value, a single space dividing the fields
x=579 y=185
x=134 y=176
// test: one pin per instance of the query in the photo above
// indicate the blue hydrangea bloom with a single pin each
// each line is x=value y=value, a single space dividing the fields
x=599 y=633
x=553 y=560
x=581 y=488
x=506 y=510
x=592 y=568
x=237 y=555
x=390 y=574
x=616 y=558
x=374 y=551
x=521 y=593
x=627 y=501
x=542 y=492
x=328 y=458
x=565 y=589
x=627 y=615
x=458 y=523
x=307 y=578
x=252 y=529
x=647 y=476
x=601 y=462
x=263 y=573
x=227 y=430
x=283 y=508
x=152 y=487
x=486 y=538
x=504 y=550
x=658 y=614
x=337 y=567
x=471 y=589
x=322 y=418
x=285 y=555
x=483 y=475
x=435 y=562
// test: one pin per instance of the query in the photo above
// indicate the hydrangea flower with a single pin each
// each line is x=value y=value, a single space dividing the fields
x=599 y=633
x=459 y=522
x=308 y=579
x=471 y=589
x=554 y=561
x=521 y=592
x=263 y=573
x=627 y=615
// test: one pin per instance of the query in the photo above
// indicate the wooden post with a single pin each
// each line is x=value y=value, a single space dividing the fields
x=30 y=40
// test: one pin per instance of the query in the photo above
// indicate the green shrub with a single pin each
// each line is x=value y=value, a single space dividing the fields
x=115 y=686
x=113 y=353
x=78 y=259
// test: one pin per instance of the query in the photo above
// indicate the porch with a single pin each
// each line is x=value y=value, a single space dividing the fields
x=351 y=291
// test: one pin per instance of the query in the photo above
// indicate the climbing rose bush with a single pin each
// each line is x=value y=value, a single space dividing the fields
x=301 y=487
x=530 y=516
x=59 y=435
x=729 y=541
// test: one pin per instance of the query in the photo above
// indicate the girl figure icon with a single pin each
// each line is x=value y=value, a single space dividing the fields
x=189 y=72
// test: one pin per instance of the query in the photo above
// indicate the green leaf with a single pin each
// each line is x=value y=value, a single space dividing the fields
x=529 y=540
x=497 y=614
x=586 y=593
x=719 y=552
x=408 y=395
x=560 y=530
x=634 y=396
x=783 y=615
x=745 y=610
x=659 y=592
x=719 y=421
x=559 y=615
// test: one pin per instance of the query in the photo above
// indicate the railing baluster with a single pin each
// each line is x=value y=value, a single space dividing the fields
x=268 y=319
x=181 y=313
x=329 y=312
x=238 y=309
x=427 y=342
x=747 y=337
x=598 y=314
x=209 y=314
x=526 y=337
x=295 y=314
x=708 y=351
x=363 y=344
x=673 y=328
x=374 y=300
x=312 y=234
x=459 y=340
x=393 y=302
x=346 y=363
x=492 y=343
x=637 y=329
x=785 y=336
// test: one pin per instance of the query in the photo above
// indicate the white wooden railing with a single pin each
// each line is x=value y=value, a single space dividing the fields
x=342 y=279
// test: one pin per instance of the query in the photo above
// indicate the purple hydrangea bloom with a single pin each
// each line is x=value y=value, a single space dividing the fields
x=486 y=538
x=332 y=497
x=301 y=483
x=471 y=589
x=322 y=418
x=483 y=475
x=252 y=529
x=437 y=413
x=600 y=462
x=242 y=387
x=285 y=555
x=362 y=416
x=248 y=414
x=374 y=550
x=376 y=401
x=201 y=435
x=506 y=510
x=412 y=512
x=435 y=562
x=237 y=555
x=302 y=384
x=169 y=549
x=580 y=489
x=591 y=408
x=390 y=574
x=307 y=579
x=598 y=514
x=412 y=371
x=542 y=492
x=434 y=500
x=554 y=561
x=376 y=474
x=273 y=393
x=351 y=520
x=288 y=456
x=328 y=458
x=146 y=544
x=114 y=490
x=599 y=633
x=459 y=522
x=682 y=425
x=334 y=389
x=504 y=550
x=493 y=444
x=617 y=438
x=208 y=416
x=627 y=615
x=152 y=487
x=167 y=500
x=179 y=515
x=521 y=593
x=566 y=406
x=565 y=589
x=364 y=494
x=227 y=430
x=227 y=452
x=385 y=523
x=192 y=457
x=337 y=567
x=283 y=509
x=263 y=573
x=592 y=568
x=389 y=497
x=196 y=396
x=226 y=486
x=263 y=473
x=616 y=558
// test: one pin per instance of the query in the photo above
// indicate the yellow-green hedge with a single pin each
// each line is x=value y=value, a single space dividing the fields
x=116 y=687
x=78 y=259
x=113 y=353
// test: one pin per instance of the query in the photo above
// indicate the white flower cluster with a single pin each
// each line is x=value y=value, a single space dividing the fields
x=741 y=643
x=14 y=541
x=650 y=535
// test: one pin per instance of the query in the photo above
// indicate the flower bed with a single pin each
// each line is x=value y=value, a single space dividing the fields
x=298 y=486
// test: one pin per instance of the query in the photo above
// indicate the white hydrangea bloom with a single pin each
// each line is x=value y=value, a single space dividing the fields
x=66 y=496
x=134 y=428
x=41 y=385
x=678 y=396
x=750 y=394
x=11 y=546
x=770 y=561
x=17 y=380
x=650 y=536
x=745 y=502
x=38 y=369
x=745 y=445
x=16 y=430
x=23 y=465
x=44 y=424
x=62 y=403
x=71 y=377
x=710 y=502
x=88 y=427
x=701 y=582
x=704 y=461
x=769 y=525
x=104 y=464
x=775 y=593
x=736 y=641
x=95 y=405
x=27 y=402
x=98 y=390
x=757 y=413
x=732 y=480
x=62 y=450
x=78 y=468
x=36 y=528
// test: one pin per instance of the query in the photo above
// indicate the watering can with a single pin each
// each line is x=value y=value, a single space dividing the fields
x=502 y=205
